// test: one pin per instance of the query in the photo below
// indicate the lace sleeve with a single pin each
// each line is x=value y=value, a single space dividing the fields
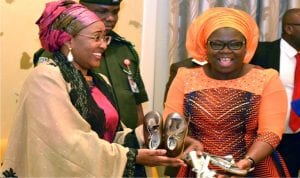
x=130 y=165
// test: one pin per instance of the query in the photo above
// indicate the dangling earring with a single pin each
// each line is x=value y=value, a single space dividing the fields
x=70 y=56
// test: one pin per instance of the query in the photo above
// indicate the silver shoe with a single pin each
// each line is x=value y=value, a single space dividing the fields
x=226 y=163
x=153 y=130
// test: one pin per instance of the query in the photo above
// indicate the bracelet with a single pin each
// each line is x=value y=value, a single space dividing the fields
x=251 y=160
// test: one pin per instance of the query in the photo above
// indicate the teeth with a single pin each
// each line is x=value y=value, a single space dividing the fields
x=225 y=59
x=97 y=54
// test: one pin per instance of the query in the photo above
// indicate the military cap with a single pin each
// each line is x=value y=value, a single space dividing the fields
x=104 y=2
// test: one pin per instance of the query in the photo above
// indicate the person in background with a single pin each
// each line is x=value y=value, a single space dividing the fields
x=120 y=64
x=233 y=108
x=281 y=55
x=67 y=123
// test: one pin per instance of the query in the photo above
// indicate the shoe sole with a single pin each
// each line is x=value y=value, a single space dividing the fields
x=175 y=131
x=153 y=129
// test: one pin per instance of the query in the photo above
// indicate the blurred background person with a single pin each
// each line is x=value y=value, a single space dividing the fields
x=120 y=64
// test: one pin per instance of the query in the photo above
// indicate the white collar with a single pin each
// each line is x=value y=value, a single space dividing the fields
x=287 y=49
x=201 y=63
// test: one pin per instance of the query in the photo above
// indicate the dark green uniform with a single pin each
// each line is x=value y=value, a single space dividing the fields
x=112 y=65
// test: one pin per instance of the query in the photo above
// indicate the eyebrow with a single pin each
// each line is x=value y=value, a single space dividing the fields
x=98 y=31
x=234 y=40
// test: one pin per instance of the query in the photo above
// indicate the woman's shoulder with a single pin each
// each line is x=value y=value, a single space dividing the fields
x=44 y=77
x=46 y=70
x=263 y=74
x=46 y=66
x=191 y=74
x=266 y=71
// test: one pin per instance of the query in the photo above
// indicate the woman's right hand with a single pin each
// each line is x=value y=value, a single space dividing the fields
x=157 y=157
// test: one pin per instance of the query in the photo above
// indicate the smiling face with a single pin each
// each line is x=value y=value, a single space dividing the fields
x=107 y=13
x=226 y=49
x=86 y=49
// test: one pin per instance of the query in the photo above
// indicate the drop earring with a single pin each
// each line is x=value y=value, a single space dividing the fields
x=70 y=56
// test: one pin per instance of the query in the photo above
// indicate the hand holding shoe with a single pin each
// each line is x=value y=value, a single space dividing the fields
x=245 y=164
x=157 y=157
x=227 y=163
x=171 y=136
x=191 y=144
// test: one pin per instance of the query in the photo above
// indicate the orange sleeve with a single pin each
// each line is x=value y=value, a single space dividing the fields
x=174 y=101
x=273 y=107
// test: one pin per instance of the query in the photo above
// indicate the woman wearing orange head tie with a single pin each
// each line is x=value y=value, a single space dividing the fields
x=234 y=108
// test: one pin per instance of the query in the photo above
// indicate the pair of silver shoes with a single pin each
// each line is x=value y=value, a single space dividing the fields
x=170 y=136
x=200 y=164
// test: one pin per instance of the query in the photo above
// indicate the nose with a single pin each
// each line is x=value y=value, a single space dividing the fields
x=111 y=17
x=103 y=45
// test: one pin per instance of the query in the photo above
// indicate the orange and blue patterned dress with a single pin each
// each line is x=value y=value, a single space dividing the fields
x=228 y=116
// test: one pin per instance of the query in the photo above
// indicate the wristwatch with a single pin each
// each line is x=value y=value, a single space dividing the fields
x=252 y=163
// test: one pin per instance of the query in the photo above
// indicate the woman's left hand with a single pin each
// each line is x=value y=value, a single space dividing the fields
x=157 y=157
x=191 y=144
